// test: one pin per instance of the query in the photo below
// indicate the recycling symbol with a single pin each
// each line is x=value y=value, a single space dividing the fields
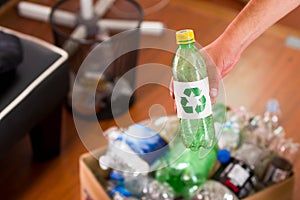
x=186 y=101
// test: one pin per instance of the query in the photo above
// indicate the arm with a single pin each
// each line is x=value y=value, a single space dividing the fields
x=251 y=22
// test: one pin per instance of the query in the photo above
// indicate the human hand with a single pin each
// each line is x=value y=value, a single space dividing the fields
x=219 y=60
x=213 y=78
x=213 y=74
x=220 y=57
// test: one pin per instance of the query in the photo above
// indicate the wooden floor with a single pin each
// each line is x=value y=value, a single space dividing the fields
x=23 y=178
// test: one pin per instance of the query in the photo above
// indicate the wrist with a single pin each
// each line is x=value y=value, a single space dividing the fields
x=224 y=52
x=232 y=44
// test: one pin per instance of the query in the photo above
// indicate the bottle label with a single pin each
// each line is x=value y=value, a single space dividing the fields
x=145 y=143
x=238 y=175
x=279 y=175
x=192 y=99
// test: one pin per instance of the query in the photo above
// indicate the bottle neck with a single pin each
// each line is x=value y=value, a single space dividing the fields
x=185 y=46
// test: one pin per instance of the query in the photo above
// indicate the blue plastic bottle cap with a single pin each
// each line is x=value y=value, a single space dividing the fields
x=223 y=156
x=116 y=176
x=272 y=105
x=121 y=190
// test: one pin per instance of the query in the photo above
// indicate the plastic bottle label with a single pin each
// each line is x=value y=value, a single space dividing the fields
x=279 y=175
x=145 y=143
x=192 y=99
x=239 y=175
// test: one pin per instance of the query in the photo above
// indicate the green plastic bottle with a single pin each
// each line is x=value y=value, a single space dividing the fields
x=186 y=172
x=191 y=90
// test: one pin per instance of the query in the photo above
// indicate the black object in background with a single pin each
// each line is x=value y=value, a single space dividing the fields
x=2 y=2
x=11 y=53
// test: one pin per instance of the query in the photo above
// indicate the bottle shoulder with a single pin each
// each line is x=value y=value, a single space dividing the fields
x=192 y=51
x=190 y=55
x=188 y=65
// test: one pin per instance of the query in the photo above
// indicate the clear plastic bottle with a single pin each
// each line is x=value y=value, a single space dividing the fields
x=191 y=91
x=254 y=148
x=125 y=186
x=289 y=150
x=158 y=191
x=272 y=114
x=135 y=183
x=137 y=148
x=230 y=135
x=213 y=190
x=134 y=149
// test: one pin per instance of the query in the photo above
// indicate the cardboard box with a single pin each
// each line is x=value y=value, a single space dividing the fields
x=92 y=177
x=93 y=180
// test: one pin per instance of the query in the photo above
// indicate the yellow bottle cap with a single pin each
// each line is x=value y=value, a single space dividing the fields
x=185 y=36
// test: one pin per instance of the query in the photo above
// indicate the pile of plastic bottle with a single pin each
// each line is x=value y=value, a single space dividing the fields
x=252 y=153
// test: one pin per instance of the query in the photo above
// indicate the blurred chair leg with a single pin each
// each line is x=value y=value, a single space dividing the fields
x=46 y=136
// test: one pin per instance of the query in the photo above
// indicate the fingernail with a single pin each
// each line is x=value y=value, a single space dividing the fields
x=213 y=92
